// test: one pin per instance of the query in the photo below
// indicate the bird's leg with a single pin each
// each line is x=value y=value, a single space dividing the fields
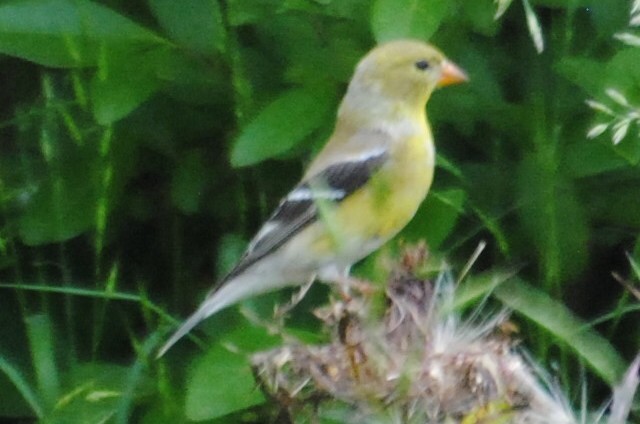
x=348 y=284
x=282 y=310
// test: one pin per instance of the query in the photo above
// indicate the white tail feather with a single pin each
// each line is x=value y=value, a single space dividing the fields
x=191 y=322
x=231 y=292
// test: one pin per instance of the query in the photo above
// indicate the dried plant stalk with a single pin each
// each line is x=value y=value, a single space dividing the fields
x=418 y=363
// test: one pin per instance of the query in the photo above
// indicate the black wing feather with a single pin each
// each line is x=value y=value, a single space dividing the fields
x=299 y=208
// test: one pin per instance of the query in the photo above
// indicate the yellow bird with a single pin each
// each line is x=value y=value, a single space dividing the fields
x=363 y=187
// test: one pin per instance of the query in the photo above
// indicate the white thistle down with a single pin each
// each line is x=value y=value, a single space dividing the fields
x=621 y=115
x=628 y=37
x=635 y=14
x=420 y=363
x=393 y=373
x=502 y=6
x=535 y=29
x=624 y=393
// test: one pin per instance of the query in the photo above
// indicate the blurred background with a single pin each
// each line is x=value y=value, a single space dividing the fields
x=143 y=143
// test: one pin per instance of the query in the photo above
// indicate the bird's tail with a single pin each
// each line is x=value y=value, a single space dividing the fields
x=230 y=292
x=216 y=301
x=191 y=322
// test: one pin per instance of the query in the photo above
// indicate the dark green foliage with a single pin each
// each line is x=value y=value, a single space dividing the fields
x=142 y=143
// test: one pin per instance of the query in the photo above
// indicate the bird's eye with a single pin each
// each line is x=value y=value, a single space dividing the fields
x=422 y=65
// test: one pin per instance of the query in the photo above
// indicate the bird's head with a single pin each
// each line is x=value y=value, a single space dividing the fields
x=405 y=70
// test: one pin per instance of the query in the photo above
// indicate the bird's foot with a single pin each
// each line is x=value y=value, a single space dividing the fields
x=347 y=285
x=296 y=298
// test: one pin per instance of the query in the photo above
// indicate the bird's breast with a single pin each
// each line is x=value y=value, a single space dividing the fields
x=375 y=213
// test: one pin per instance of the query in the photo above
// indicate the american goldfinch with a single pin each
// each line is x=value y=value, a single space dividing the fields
x=363 y=187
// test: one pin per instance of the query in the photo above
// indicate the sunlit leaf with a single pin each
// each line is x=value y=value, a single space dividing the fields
x=597 y=130
x=620 y=131
x=281 y=125
x=600 y=107
x=66 y=33
x=392 y=19
x=503 y=5
x=628 y=38
x=122 y=83
x=535 y=30
x=564 y=325
x=617 y=96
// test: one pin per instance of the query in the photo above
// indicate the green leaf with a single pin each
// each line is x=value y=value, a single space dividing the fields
x=188 y=182
x=392 y=19
x=196 y=24
x=561 y=4
x=586 y=158
x=41 y=339
x=336 y=9
x=465 y=105
x=634 y=259
x=609 y=16
x=20 y=383
x=221 y=382
x=476 y=286
x=480 y=15
x=281 y=125
x=620 y=72
x=230 y=250
x=586 y=73
x=122 y=83
x=58 y=212
x=187 y=78
x=92 y=395
x=623 y=72
x=64 y=205
x=66 y=33
x=547 y=313
x=437 y=217
x=304 y=67
x=629 y=148
x=553 y=219
x=559 y=321
x=242 y=12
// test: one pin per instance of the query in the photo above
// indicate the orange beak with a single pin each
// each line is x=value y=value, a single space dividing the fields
x=451 y=74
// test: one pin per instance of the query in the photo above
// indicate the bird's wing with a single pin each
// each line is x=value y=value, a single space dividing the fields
x=300 y=207
x=333 y=184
